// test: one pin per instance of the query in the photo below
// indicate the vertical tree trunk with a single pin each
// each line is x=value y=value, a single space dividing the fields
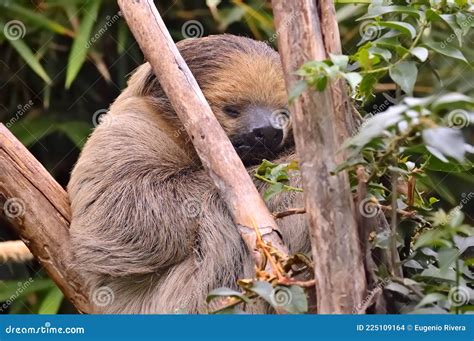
x=339 y=269
x=346 y=117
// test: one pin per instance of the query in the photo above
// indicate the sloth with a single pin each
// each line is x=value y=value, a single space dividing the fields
x=149 y=229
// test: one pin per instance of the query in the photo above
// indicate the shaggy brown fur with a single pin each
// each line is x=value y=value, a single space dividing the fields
x=148 y=223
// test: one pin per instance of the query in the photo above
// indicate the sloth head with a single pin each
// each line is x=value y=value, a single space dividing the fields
x=242 y=80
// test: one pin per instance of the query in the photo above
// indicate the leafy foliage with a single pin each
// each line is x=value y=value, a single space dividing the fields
x=408 y=139
x=277 y=175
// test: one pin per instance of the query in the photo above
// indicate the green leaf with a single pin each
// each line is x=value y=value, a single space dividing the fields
x=432 y=15
x=29 y=131
x=340 y=60
x=262 y=289
x=396 y=287
x=298 y=302
x=231 y=15
x=378 y=11
x=463 y=243
x=420 y=52
x=456 y=217
x=432 y=238
x=226 y=292
x=450 y=19
x=36 y=18
x=446 y=50
x=376 y=125
x=52 y=302
x=321 y=83
x=435 y=273
x=403 y=27
x=78 y=52
x=436 y=164
x=437 y=185
x=76 y=131
x=291 y=298
x=353 y=78
x=463 y=21
x=445 y=142
x=384 y=53
x=297 y=90
x=452 y=101
x=273 y=190
x=430 y=299
x=387 y=42
x=446 y=257
x=25 y=52
x=405 y=74
x=11 y=290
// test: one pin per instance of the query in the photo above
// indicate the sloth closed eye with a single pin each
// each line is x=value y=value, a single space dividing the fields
x=232 y=111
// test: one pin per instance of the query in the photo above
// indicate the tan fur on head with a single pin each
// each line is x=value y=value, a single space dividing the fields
x=229 y=70
x=147 y=222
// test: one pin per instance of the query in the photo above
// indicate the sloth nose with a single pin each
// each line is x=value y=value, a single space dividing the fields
x=270 y=136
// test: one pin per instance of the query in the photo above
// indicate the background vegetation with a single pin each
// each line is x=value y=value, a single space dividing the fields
x=63 y=62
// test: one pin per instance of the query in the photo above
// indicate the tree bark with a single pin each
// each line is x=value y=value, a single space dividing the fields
x=346 y=117
x=37 y=207
x=339 y=269
x=211 y=143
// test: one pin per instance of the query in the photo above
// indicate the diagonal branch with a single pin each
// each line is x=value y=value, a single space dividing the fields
x=38 y=209
x=211 y=143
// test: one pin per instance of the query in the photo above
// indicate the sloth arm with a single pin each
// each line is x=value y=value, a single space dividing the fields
x=134 y=197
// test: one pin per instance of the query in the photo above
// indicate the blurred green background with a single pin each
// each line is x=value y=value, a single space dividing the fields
x=68 y=60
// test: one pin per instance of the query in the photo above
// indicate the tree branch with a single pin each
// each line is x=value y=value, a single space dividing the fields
x=38 y=209
x=14 y=251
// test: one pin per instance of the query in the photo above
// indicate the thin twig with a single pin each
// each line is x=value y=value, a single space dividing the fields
x=14 y=251
x=288 y=212
x=303 y=284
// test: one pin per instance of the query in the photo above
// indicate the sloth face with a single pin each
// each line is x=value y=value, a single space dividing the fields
x=247 y=94
x=261 y=131
x=242 y=79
